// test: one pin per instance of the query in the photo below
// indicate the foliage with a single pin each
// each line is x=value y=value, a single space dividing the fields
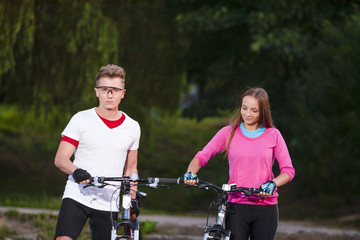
x=329 y=113
x=236 y=44
x=174 y=142
x=57 y=76
x=147 y=227
x=46 y=223
x=151 y=49
x=305 y=54
x=6 y=232
x=17 y=25
x=68 y=41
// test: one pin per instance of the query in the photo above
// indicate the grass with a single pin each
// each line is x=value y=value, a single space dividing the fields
x=5 y=232
x=45 y=225
x=34 y=201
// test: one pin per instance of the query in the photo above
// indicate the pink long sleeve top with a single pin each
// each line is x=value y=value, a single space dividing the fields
x=250 y=160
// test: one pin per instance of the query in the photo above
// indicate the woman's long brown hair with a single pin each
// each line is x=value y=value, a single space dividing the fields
x=265 y=114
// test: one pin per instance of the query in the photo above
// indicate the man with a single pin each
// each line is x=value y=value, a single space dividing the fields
x=104 y=142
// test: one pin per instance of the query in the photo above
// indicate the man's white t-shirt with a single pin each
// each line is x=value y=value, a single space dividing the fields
x=102 y=151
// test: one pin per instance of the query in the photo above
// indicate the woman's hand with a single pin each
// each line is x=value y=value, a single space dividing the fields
x=268 y=188
x=190 y=178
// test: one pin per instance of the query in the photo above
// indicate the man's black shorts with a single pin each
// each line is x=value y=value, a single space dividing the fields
x=73 y=216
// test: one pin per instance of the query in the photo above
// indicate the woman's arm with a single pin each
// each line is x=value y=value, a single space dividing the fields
x=282 y=179
x=193 y=167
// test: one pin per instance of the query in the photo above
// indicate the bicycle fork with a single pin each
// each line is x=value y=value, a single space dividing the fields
x=131 y=228
x=217 y=231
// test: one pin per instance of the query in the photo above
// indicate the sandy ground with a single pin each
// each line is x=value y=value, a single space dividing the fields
x=192 y=228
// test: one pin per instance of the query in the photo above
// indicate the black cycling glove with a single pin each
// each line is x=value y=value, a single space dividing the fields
x=80 y=175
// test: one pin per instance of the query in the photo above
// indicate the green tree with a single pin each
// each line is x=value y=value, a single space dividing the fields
x=304 y=54
x=66 y=42
x=17 y=22
x=151 y=48
x=236 y=44
x=57 y=47
x=327 y=133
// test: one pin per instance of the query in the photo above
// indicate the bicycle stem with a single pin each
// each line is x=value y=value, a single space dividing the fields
x=126 y=204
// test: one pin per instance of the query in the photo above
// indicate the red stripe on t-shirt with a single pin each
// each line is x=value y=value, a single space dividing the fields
x=70 y=140
x=113 y=124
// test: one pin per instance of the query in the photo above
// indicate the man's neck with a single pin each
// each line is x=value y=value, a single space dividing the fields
x=109 y=114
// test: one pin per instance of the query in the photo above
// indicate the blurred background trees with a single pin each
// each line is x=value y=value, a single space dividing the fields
x=187 y=62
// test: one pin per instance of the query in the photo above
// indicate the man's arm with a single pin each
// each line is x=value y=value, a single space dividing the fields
x=131 y=163
x=131 y=167
x=62 y=157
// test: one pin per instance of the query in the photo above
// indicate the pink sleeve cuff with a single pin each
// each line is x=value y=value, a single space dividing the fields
x=201 y=160
x=289 y=171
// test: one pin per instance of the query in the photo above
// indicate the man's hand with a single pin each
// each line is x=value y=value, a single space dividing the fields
x=81 y=176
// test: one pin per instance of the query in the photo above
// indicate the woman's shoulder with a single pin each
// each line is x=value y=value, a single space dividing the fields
x=225 y=130
x=274 y=131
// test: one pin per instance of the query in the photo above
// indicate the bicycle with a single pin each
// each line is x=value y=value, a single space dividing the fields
x=218 y=231
x=131 y=228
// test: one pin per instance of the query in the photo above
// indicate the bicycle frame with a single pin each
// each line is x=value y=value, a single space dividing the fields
x=218 y=231
x=131 y=228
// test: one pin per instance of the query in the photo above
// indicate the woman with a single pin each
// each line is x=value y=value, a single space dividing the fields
x=251 y=144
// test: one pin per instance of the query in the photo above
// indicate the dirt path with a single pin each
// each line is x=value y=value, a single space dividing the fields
x=288 y=227
x=191 y=228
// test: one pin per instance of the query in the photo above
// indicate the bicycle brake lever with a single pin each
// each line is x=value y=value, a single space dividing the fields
x=140 y=194
x=203 y=186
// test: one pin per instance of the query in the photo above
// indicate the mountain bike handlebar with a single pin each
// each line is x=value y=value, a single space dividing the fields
x=229 y=188
x=152 y=182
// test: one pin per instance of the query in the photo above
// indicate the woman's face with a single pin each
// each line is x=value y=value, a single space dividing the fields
x=250 y=113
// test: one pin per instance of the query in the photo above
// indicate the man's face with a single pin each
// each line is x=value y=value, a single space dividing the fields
x=110 y=91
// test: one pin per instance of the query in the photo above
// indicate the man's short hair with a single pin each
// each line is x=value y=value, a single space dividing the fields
x=110 y=71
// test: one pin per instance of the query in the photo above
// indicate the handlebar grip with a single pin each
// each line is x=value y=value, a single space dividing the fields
x=169 y=180
x=97 y=181
x=166 y=180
